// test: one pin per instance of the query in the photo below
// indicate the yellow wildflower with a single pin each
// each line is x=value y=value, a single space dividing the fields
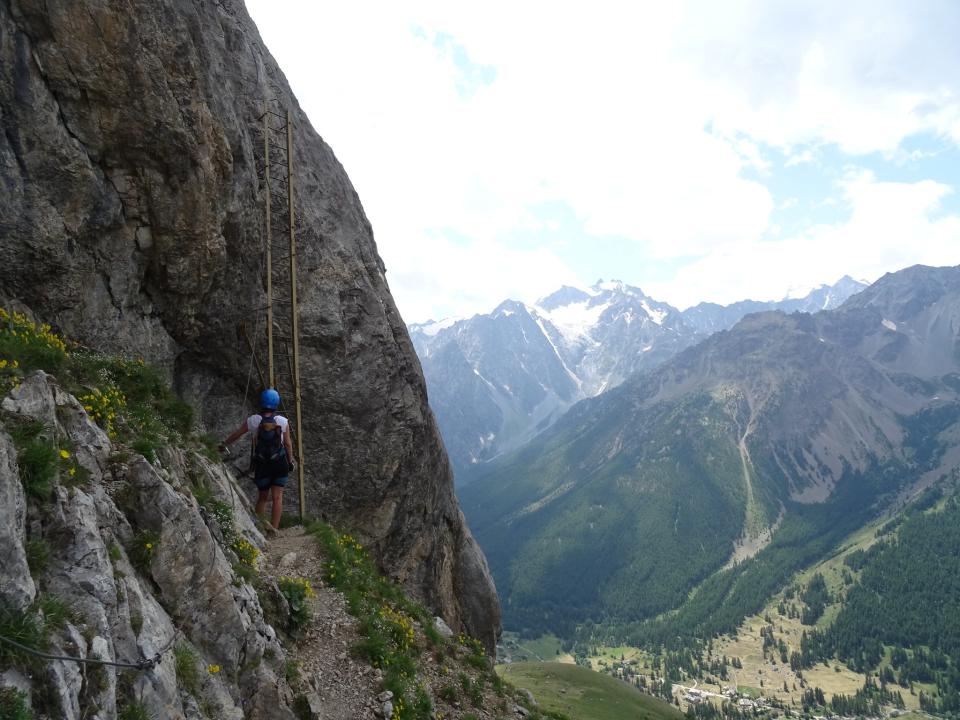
x=213 y=669
x=64 y=454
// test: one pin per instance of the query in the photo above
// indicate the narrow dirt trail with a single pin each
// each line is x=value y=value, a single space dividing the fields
x=336 y=684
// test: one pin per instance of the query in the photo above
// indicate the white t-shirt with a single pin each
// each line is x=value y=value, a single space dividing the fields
x=253 y=422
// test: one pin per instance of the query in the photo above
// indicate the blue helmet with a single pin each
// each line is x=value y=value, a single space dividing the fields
x=269 y=399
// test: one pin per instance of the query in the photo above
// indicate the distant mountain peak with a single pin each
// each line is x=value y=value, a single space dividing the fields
x=602 y=284
x=566 y=295
x=845 y=286
x=509 y=307
x=508 y=374
x=615 y=286
x=432 y=327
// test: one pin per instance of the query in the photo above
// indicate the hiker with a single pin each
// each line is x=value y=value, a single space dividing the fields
x=272 y=452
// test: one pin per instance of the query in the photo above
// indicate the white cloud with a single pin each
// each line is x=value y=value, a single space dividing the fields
x=641 y=118
x=800 y=158
x=891 y=225
x=436 y=278
x=863 y=74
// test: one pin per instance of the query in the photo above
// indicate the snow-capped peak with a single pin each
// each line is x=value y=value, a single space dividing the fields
x=575 y=320
x=798 y=292
x=656 y=315
x=432 y=327
x=611 y=285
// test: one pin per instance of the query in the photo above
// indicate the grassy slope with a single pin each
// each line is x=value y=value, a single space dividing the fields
x=547 y=648
x=585 y=695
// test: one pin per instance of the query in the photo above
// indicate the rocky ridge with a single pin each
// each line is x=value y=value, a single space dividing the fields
x=131 y=218
x=497 y=380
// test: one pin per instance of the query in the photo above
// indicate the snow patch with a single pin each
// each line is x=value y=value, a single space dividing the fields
x=656 y=315
x=575 y=321
x=432 y=328
x=889 y=324
x=556 y=351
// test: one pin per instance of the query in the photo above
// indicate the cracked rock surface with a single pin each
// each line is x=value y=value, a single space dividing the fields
x=186 y=593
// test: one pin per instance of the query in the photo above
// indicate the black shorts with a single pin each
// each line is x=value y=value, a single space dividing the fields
x=265 y=483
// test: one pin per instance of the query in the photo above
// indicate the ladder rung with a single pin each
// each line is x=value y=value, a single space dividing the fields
x=271 y=112
x=279 y=179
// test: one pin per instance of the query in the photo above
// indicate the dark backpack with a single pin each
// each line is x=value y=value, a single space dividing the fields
x=268 y=449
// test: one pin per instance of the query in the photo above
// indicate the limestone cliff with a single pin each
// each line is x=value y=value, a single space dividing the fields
x=129 y=599
x=129 y=215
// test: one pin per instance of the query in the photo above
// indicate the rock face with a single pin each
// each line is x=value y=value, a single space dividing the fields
x=129 y=601
x=16 y=585
x=130 y=216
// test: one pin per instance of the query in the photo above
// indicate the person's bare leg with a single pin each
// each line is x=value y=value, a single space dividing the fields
x=277 y=493
x=262 y=501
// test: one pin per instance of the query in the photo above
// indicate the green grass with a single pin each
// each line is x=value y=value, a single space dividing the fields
x=38 y=467
x=23 y=627
x=142 y=549
x=38 y=555
x=151 y=412
x=297 y=592
x=32 y=627
x=545 y=648
x=13 y=705
x=583 y=694
x=135 y=710
x=56 y=613
x=186 y=662
x=23 y=431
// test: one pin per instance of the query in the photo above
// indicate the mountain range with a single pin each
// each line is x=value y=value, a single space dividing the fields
x=496 y=380
x=729 y=466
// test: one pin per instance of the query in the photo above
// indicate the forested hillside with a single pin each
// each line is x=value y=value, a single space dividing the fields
x=901 y=620
x=703 y=486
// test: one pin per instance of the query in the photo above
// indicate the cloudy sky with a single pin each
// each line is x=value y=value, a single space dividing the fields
x=699 y=150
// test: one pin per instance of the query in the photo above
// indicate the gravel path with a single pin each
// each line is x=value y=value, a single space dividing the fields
x=337 y=685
